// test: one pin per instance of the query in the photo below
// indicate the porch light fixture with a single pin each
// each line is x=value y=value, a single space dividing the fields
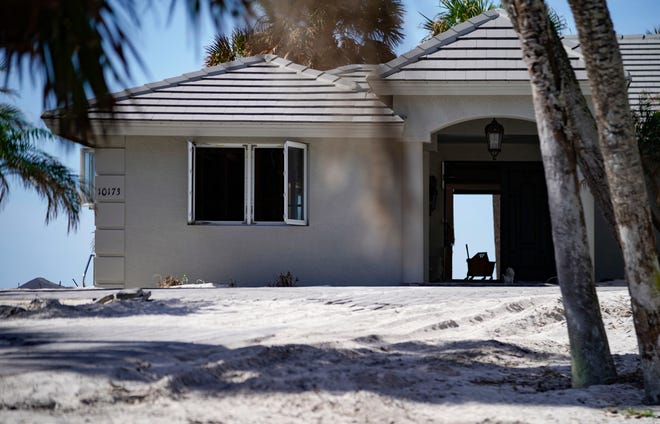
x=494 y=134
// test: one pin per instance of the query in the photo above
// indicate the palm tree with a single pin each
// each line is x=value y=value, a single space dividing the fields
x=243 y=41
x=76 y=47
x=20 y=157
x=453 y=13
x=456 y=11
x=647 y=132
x=317 y=33
x=79 y=46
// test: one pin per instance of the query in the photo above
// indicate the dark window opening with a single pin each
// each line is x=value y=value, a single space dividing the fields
x=219 y=184
x=249 y=184
x=268 y=185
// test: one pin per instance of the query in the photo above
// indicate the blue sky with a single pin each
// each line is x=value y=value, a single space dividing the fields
x=29 y=248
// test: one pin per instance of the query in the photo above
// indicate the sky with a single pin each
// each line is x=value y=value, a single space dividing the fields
x=169 y=47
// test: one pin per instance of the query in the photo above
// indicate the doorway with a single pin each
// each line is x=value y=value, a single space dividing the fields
x=501 y=208
x=477 y=227
x=473 y=216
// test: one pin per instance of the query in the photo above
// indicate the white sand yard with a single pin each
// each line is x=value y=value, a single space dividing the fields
x=309 y=354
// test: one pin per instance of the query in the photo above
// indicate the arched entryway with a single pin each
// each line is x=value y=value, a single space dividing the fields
x=516 y=210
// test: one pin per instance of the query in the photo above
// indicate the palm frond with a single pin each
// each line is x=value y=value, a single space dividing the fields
x=80 y=47
x=37 y=170
x=454 y=12
x=244 y=41
x=324 y=35
x=557 y=20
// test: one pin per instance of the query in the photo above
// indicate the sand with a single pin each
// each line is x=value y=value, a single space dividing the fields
x=308 y=354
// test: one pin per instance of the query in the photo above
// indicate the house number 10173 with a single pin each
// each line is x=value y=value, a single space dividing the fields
x=108 y=191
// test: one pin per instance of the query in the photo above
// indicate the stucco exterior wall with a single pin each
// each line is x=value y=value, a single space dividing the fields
x=425 y=115
x=109 y=236
x=355 y=219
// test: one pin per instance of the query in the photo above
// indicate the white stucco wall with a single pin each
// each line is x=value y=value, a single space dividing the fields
x=425 y=115
x=354 y=234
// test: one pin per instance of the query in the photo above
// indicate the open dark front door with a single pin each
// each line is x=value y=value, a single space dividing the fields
x=526 y=243
x=525 y=232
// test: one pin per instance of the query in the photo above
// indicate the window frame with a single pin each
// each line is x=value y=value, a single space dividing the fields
x=305 y=205
x=249 y=183
x=88 y=199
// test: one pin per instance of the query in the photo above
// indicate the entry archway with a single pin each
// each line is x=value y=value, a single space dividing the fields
x=462 y=164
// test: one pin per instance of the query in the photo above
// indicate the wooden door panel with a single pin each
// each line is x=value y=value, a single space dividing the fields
x=526 y=233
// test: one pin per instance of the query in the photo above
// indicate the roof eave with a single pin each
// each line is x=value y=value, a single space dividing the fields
x=457 y=88
x=308 y=130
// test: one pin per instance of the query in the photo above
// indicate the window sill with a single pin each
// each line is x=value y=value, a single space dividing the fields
x=240 y=224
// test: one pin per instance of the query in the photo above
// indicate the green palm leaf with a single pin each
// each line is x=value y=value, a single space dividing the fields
x=37 y=170
x=453 y=12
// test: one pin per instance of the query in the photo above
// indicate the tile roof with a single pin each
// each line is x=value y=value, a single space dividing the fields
x=270 y=89
x=263 y=88
x=641 y=60
x=487 y=48
x=484 y=48
x=357 y=73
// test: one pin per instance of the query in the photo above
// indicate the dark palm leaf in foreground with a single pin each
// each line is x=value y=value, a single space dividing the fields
x=81 y=47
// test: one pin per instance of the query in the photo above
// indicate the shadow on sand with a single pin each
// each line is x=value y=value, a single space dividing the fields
x=454 y=372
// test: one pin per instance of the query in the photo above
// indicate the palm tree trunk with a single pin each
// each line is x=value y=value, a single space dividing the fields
x=624 y=171
x=590 y=354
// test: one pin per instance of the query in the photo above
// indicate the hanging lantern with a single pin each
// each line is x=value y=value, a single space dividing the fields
x=494 y=135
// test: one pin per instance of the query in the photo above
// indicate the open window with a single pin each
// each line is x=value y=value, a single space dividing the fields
x=87 y=174
x=247 y=184
x=295 y=182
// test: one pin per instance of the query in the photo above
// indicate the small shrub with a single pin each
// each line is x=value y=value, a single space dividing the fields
x=285 y=280
x=640 y=414
x=169 y=281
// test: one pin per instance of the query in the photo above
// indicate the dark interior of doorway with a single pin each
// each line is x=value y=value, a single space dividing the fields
x=525 y=242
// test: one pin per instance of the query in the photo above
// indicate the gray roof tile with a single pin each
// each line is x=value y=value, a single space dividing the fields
x=641 y=58
x=483 y=48
x=261 y=88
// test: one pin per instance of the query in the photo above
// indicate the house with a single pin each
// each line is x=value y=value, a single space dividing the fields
x=40 y=283
x=261 y=166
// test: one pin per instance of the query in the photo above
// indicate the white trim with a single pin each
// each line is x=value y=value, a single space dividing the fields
x=309 y=130
x=250 y=181
x=191 y=181
x=88 y=200
x=248 y=188
x=192 y=155
x=458 y=88
x=305 y=202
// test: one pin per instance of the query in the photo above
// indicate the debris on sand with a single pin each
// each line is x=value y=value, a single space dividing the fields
x=135 y=295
